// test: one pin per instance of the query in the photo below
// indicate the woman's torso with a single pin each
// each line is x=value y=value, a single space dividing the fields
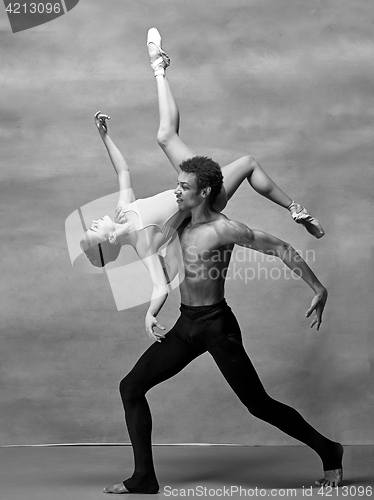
x=160 y=211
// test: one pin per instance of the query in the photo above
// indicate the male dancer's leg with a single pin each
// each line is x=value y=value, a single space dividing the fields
x=237 y=368
x=161 y=361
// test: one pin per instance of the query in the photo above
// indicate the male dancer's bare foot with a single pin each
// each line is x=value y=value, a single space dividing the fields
x=116 y=488
x=135 y=484
x=332 y=478
x=333 y=468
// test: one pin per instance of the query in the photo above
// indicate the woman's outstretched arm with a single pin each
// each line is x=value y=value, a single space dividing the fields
x=158 y=298
x=164 y=262
x=119 y=163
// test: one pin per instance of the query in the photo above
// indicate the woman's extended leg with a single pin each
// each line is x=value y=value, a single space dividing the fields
x=248 y=168
x=168 y=132
x=175 y=149
x=234 y=173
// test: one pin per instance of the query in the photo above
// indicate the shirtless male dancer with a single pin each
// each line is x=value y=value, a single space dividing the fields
x=207 y=323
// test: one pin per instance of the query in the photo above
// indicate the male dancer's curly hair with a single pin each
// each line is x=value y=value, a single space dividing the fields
x=208 y=174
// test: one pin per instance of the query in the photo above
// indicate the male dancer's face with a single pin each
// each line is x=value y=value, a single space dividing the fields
x=187 y=193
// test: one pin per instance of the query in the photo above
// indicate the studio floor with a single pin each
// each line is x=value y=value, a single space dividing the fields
x=81 y=472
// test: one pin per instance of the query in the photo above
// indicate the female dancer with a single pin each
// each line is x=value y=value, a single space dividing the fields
x=149 y=224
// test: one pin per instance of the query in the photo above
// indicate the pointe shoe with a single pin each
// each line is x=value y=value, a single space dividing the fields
x=163 y=61
x=301 y=216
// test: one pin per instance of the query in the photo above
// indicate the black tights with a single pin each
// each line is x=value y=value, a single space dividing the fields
x=200 y=329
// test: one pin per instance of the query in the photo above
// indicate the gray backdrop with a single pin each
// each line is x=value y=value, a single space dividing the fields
x=289 y=82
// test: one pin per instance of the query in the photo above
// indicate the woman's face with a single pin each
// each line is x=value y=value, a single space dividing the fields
x=101 y=228
x=98 y=234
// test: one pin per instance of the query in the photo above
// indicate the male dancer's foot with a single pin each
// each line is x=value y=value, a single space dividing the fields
x=158 y=58
x=332 y=478
x=333 y=468
x=116 y=488
x=302 y=216
x=134 y=485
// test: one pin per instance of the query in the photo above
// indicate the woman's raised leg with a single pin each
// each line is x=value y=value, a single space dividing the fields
x=234 y=173
x=248 y=168
x=168 y=132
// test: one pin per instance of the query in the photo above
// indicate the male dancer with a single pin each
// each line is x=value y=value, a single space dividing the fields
x=207 y=323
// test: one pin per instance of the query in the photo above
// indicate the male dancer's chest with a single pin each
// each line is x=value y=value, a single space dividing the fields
x=201 y=247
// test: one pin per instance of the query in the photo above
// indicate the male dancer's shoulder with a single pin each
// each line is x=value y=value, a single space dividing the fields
x=232 y=232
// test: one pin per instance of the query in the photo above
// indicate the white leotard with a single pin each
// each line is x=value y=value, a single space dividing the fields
x=162 y=213
x=160 y=210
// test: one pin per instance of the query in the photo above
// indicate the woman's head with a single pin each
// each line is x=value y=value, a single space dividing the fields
x=98 y=243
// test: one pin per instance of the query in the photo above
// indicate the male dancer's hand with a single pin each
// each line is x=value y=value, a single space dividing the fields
x=317 y=305
x=151 y=323
x=100 y=120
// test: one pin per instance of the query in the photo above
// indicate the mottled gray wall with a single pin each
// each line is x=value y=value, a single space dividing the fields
x=290 y=82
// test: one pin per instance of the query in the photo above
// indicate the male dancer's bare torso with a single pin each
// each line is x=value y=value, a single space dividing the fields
x=205 y=259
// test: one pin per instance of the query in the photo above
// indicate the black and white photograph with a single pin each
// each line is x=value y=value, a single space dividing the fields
x=187 y=205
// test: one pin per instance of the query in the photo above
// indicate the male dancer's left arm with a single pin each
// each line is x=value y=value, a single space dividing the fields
x=242 y=235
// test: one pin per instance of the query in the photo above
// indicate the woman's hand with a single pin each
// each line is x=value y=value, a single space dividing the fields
x=119 y=216
x=151 y=323
x=100 y=120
